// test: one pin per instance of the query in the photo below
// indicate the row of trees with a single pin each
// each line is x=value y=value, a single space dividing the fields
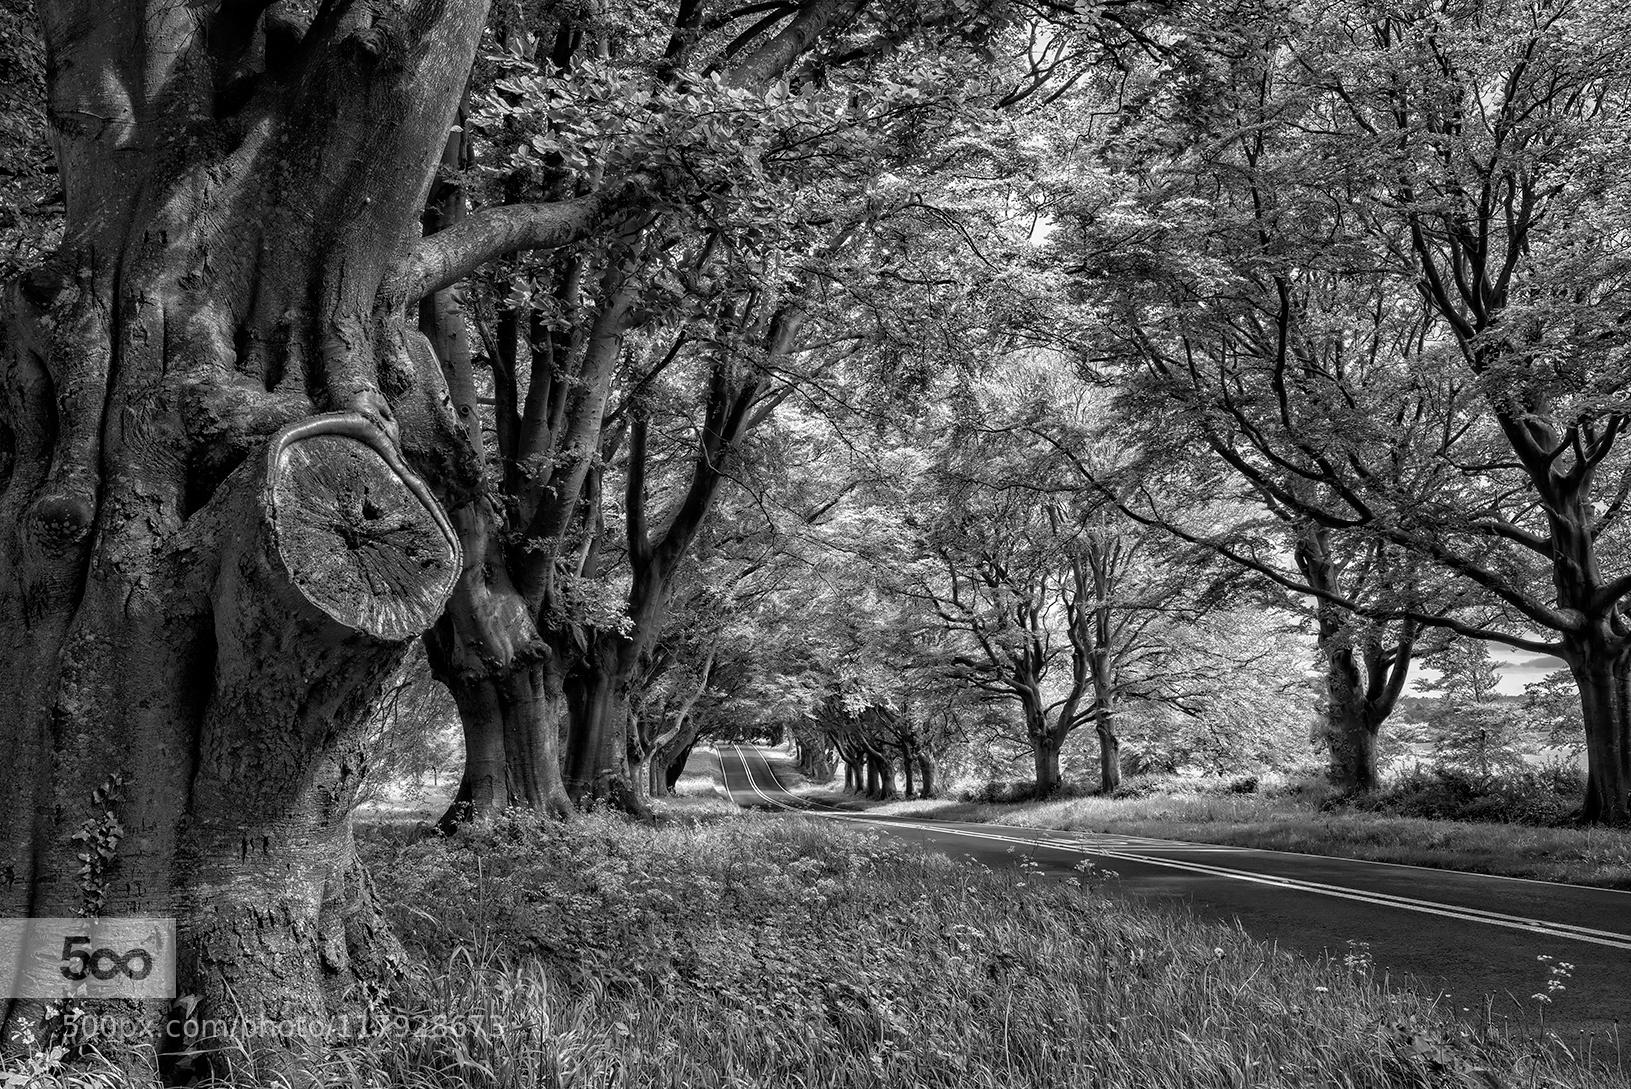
x=964 y=598
x=1354 y=282
x=357 y=321
x=919 y=372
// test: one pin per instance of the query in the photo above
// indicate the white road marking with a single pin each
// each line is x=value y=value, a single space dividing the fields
x=1566 y=931
x=1173 y=844
x=1429 y=907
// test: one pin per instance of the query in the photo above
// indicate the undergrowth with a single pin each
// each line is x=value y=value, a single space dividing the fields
x=1547 y=795
x=773 y=953
x=764 y=952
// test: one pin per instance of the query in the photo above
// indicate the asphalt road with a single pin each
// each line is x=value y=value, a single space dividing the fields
x=1465 y=936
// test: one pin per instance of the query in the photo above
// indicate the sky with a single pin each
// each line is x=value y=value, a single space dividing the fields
x=1518 y=668
x=1521 y=667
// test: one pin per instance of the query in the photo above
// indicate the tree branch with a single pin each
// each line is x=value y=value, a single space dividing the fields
x=447 y=257
x=771 y=60
x=635 y=503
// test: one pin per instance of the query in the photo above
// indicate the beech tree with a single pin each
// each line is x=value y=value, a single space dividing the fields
x=1007 y=592
x=528 y=661
x=1376 y=273
x=1350 y=582
x=1059 y=605
x=229 y=457
x=238 y=478
x=775 y=139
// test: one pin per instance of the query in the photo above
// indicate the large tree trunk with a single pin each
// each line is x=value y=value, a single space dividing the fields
x=1598 y=652
x=223 y=716
x=1603 y=675
x=486 y=649
x=884 y=771
x=511 y=721
x=484 y=789
x=351 y=560
x=214 y=551
x=1045 y=750
x=1104 y=724
x=505 y=682
x=1351 y=731
x=1366 y=666
x=925 y=775
x=676 y=767
x=597 y=757
x=1103 y=673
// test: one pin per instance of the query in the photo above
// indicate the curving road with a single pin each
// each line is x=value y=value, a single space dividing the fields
x=1465 y=936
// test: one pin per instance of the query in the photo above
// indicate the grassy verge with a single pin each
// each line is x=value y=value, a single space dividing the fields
x=763 y=952
x=759 y=952
x=697 y=794
x=1586 y=856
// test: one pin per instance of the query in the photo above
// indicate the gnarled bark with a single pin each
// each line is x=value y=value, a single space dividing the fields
x=926 y=775
x=1104 y=725
x=506 y=682
x=345 y=558
x=328 y=556
x=597 y=752
x=1601 y=668
x=1045 y=753
x=213 y=552
x=1364 y=673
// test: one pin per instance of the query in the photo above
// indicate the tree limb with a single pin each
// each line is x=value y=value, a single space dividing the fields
x=770 y=61
x=447 y=257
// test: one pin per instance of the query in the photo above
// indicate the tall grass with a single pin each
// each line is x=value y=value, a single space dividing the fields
x=774 y=953
x=778 y=953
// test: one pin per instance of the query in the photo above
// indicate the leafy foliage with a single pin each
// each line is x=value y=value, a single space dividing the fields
x=1543 y=795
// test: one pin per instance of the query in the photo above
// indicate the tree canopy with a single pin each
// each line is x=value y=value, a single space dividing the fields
x=934 y=384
